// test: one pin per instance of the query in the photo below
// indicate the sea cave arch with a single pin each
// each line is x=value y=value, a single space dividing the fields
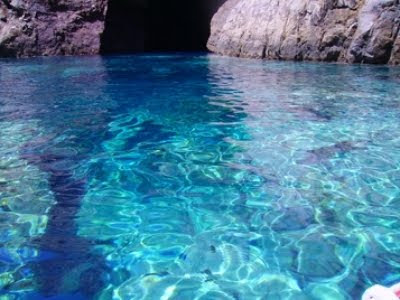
x=157 y=25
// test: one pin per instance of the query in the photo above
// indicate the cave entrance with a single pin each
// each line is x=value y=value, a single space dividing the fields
x=157 y=25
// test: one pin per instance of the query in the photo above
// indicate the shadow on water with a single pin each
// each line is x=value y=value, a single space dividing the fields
x=63 y=252
x=56 y=93
x=73 y=114
x=170 y=161
x=228 y=155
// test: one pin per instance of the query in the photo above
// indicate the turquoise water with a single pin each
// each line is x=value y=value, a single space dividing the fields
x=197 y=177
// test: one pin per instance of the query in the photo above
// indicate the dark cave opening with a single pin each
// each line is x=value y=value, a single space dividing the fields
x=157 y=25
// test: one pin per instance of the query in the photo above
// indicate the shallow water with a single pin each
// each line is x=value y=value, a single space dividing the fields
x=197 y=177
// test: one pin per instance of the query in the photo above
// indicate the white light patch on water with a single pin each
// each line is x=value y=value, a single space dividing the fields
x=169 y=291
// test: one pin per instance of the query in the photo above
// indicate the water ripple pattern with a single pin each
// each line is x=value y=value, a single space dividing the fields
x=197 y=177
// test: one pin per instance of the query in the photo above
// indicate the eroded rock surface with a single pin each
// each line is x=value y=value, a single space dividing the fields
x=359 y=31
x=51 y=27
x=71 y=27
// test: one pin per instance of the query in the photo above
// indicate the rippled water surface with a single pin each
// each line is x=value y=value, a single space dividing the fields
x=197 y=177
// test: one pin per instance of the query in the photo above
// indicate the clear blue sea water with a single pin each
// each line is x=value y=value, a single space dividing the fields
x=197 y=177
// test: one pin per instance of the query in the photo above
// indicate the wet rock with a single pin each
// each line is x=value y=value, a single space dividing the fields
x=328 y=152
x=277 y=286
x=294 y=218
x=325 y=291
x=335 y=30
x=317 y=258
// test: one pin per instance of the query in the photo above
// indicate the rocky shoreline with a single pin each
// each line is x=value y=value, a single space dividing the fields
x=351 y=31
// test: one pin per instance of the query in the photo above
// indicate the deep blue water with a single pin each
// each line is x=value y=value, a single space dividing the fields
x=197 y=177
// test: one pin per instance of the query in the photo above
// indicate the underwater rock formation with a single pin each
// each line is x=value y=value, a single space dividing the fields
x=356 y=31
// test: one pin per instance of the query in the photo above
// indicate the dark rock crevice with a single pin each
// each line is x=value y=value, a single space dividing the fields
x=81 y=27
x=11 y=7
x=157 y=25
x=124 y=26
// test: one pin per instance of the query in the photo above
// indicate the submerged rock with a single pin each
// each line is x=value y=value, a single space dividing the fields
x=324 y=30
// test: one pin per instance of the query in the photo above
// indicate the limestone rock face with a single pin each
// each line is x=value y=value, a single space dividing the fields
x=358 y=31
x=51 y=27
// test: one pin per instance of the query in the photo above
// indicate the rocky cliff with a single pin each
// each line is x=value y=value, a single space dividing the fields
x=71 y=27
x=358 y=31
x=51 y=27
x=325 y=30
